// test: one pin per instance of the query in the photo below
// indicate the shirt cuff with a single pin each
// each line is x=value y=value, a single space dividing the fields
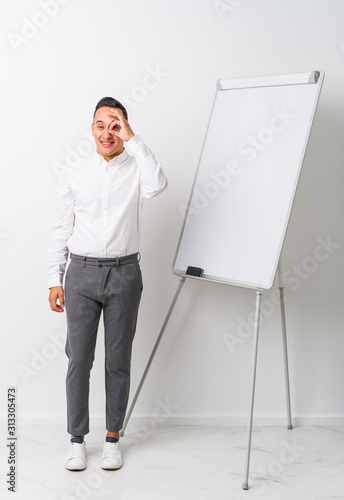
x=55 y=280
x=136 y=142
x=138 y=148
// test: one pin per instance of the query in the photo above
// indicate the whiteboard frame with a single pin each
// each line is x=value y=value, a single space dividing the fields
x=311 y=78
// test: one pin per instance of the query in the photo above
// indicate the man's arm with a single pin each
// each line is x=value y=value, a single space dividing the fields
x=153 y=179
x=58 y=249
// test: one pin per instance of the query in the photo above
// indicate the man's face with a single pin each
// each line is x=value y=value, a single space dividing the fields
x=103 y=130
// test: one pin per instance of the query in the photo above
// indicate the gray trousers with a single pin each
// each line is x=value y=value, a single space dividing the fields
x=92 y=286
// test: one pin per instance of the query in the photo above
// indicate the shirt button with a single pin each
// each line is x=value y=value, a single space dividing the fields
x=102 y=249
x=107 y=169
x=105 y=208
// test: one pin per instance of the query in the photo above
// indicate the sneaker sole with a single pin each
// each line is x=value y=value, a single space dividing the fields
x=75 y=469
x=111 y=468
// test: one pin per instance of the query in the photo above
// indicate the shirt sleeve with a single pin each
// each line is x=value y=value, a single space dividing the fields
x=153 y=179
x=63 y=224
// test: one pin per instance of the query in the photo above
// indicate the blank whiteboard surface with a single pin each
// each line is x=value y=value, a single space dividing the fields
x=244 y=188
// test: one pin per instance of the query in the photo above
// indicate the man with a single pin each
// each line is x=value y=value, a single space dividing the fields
x=97 y=220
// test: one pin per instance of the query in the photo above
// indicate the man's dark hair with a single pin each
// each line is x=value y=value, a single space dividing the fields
x=110 y=102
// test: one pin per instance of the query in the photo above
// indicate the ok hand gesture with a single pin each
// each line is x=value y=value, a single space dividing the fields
x=120 y=126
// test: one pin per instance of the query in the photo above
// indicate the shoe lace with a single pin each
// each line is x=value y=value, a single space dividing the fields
x=76 y=450
x=111 y=450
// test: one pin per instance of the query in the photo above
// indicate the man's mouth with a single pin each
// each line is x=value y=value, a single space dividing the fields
x=107 y=144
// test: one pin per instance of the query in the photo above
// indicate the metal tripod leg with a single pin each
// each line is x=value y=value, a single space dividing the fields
x=285 y=355
x=284 y=338
x=254 y=369
x=138 y=390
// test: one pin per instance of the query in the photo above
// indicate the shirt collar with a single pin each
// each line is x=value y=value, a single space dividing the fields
x=117 y=160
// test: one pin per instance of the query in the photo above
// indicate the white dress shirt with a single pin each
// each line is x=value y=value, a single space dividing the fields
x=99 y=204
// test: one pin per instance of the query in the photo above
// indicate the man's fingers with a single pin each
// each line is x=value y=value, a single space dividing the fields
x=115 y=125
x=114 y=112
x=56 y=307
x=117 y=111
x=61 y=298
x=118 y=114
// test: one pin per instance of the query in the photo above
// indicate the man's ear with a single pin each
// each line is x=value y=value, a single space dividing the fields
x=92 y=128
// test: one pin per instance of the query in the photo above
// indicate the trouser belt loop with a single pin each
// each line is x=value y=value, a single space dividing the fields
x=117 y=263
x=85 y=261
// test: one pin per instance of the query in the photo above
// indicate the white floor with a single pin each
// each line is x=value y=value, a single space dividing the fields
x=184 y=463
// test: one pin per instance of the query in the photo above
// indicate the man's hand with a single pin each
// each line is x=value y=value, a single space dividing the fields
x=56 y=294
x=120 y=126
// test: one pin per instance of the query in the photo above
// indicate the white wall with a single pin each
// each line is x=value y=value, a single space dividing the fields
x=55 y=74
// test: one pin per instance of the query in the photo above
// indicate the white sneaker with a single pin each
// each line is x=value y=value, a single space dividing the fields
x=76 y=457
x=112 y=456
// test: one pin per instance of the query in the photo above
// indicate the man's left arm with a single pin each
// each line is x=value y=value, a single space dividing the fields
x=153 y=179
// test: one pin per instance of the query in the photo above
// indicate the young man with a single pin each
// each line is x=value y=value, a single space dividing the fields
x=97 y=220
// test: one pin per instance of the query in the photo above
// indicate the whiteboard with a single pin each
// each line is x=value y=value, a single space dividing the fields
x=241 y=200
